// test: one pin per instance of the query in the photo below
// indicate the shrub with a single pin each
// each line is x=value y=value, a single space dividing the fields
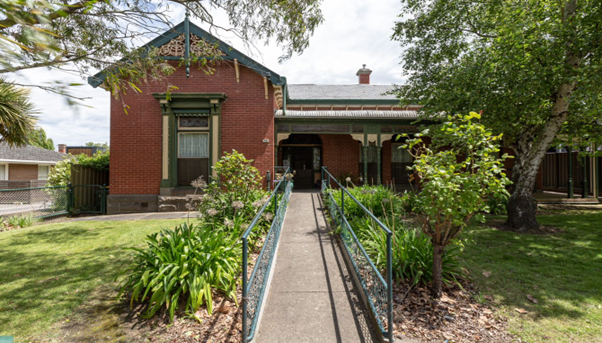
x=20 y=221
x=379 y=200
x=185 y=264
x=412 y=253
x=60 y=174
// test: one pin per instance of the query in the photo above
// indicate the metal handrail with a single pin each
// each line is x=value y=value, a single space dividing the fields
x=326 y=180
x=282 y=183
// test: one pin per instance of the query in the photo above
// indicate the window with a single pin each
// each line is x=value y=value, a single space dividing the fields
x=399 y=154
x=193 y=149
x=193 y=123
x=193 y=145
x=3 y=172
x=371 y=154
x=43 y=172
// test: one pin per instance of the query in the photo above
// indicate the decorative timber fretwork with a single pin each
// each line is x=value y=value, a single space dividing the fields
x=278 y=95
x=198 y=47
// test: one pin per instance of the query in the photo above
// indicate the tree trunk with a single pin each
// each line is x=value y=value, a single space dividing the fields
x=438 y=251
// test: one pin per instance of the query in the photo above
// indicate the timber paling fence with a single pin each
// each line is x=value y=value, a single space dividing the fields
x=378 y=291
x=47 y=202
x=254 y=288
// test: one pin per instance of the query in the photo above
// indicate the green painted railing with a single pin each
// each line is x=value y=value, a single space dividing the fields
x=254 y=287
x=46 y=202
x=377 y=290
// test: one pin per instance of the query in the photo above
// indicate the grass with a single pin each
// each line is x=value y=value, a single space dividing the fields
x=48 y=271
x=562 y=271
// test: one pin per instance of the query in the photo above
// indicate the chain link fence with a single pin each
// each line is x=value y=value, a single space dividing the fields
x=37 y=202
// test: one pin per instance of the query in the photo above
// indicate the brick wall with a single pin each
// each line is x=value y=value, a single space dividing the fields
x=22 y=172
x=340 y=153
x=247 y=118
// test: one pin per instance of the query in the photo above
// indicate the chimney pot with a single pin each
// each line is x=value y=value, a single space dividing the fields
x=364 y=75
x=63 y=148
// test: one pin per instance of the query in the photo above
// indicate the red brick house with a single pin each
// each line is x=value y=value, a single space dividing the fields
x=162 y=144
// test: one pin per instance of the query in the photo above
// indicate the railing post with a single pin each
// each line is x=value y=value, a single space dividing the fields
x=322 y=176
x=70 y=204
x=244 y=290
x=103 y=199
x=389 y=288
x=268 y=177
x=343 y=201
x=327 y=176
x=570 y=165
x=584 y=187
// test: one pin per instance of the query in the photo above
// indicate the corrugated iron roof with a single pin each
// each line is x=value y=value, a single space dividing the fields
x=348 y=114
x=340 y=92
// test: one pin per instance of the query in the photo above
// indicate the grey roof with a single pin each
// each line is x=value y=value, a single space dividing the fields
x=340 y=92
x=28 y=153
x=348 y=114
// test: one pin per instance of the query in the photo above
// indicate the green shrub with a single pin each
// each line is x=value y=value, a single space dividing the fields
x=412 y=252
x=379 y=200
x=496 y=204
x=20 y=221
x=185 y=264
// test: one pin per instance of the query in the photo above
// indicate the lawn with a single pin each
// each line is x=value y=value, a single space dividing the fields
x=47 y=271
x=561 y=271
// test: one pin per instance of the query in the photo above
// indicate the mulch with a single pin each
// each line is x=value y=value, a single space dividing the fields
x=456 y=317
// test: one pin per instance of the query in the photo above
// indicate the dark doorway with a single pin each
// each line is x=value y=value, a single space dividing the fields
x=400 y=161
x=303 y=154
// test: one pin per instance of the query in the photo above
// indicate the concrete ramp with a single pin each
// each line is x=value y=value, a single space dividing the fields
x=312 y=297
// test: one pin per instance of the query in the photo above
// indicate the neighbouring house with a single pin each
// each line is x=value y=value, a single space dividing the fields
x=166 y=141
x=78 y=150
x=26 y=166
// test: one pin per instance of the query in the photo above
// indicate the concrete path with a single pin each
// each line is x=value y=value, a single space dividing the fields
x=137 y=216
x=311 y=297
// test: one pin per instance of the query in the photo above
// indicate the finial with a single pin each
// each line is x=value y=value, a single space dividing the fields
x=187 y=13
x=363 y=66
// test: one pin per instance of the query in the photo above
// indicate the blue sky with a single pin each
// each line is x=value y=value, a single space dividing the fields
x=354 y=32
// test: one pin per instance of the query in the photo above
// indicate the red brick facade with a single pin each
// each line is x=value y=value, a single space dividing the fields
x=247 y=119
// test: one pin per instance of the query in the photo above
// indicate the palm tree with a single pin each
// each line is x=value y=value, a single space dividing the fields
x=16 y=119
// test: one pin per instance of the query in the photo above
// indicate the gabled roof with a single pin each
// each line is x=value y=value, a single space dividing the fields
x=29 y=154
x=230 y=53
x=343 y=94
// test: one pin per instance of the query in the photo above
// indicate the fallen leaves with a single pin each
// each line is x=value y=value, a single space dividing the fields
x=521 y=310
x=455 y=317
x=486 y=274
x=532 y=299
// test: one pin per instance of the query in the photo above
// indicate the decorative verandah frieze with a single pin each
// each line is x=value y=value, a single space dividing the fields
x=366 y=131
x=186 y=104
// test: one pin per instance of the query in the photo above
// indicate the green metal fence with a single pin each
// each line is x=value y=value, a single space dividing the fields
x=46 y=202
x=378 y=291
x=37 y=202
x=254 y=287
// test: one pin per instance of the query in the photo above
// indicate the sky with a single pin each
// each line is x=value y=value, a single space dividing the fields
x=354 y=32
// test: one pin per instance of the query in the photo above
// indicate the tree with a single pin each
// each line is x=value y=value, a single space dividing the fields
x=99 y=145
x=16 y=119
x=459 y=171
x=83 y=35
x=532 y=67
x=38 y=138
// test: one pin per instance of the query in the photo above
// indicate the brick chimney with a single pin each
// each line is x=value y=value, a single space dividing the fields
x=63 y=148
x=364 y=75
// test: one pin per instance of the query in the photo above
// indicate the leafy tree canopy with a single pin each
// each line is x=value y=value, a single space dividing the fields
x=38 y=138
x=99 y=145
x=16 y=119
x=533 y=67
x=82 y=36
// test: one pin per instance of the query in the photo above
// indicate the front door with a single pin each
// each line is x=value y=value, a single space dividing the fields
x=302 y=164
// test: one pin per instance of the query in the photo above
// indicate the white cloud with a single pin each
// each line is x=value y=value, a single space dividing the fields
x=354 y=33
